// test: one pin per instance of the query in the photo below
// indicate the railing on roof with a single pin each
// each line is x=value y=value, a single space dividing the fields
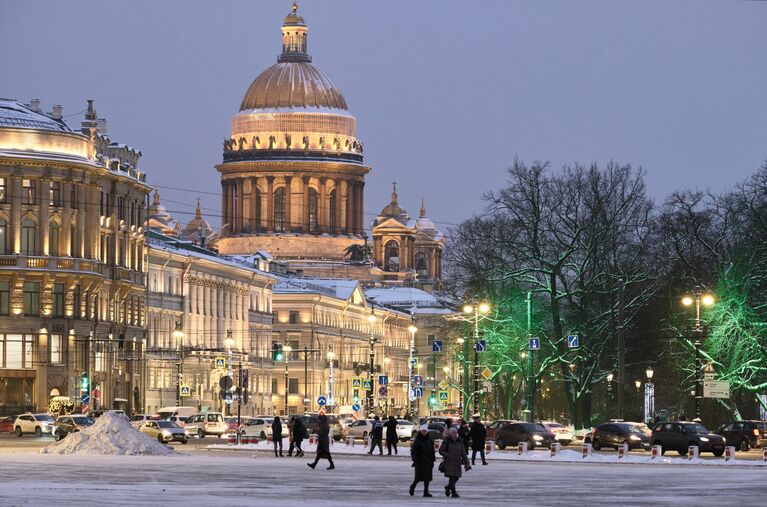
x=306 y=285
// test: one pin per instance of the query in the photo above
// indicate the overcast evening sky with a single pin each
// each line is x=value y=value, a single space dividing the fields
x=445 y=93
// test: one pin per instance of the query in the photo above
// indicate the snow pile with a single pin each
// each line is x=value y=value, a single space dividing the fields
x=111 y=434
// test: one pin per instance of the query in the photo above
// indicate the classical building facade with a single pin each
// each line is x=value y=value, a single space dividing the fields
x=72 y=264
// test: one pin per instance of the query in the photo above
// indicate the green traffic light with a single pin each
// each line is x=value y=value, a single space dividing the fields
x=278 y=356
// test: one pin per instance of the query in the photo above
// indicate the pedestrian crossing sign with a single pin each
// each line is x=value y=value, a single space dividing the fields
x=220 y=363
x=367 y=384
x=186 y=391
x=443 y=396
x=356 y=382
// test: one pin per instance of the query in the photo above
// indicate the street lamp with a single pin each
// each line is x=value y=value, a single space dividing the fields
x=411 y=363
x=372 y=319
x=178 y=334
x=698 y=298
x=331 y=356
x=476 y=310
x=286 y=349
x=649 y=397
x=229 y=343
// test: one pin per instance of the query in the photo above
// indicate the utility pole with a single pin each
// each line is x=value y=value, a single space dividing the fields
x=476 y=359
x=621 y=352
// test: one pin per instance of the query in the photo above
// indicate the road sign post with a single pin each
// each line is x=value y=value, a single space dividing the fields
x=573 y=342
x=535 y=343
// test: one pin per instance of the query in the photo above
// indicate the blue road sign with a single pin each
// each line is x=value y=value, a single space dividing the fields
x=383 y=380
x=573 y=342
x=322 y=401
x=356 y=407
x=367 y=384
x=85 y=398
x=186 y=391
x=356 y=382
x=418 y=392
x=535 y=343
x=418 y=380
x=220 y=362
x=436 y=346
x=383 y=391
x=481 y=345
x=443 y=396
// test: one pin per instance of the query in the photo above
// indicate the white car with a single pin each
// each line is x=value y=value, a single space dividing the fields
x=206 y=423
x=405 y=429
x=165 y=431
x=139 y=420
x=33 y=423
x=562 y=433
x=261 y=427
x=359 y=429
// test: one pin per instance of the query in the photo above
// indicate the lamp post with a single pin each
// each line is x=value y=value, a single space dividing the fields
x=229 y=343
x=178 y=334
x=411 y=364
x=706 y=299
x=286 y=349
x=476 y=310
x=372 y=319
x=649 y=397
x=331 y=355
x=610 y=378
x=385 y=371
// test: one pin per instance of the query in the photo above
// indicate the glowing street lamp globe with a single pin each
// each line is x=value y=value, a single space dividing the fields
x=707 y=300
x=687 y=301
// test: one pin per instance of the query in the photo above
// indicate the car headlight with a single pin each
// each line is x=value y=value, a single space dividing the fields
x=703 y=439
x=634 y=437
x=165 y=433
x=537 y=437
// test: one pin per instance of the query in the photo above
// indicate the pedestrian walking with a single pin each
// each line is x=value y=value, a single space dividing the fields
x=453 y=457
x=448 y=423
x=391 y=435
x=296 y=437
x=464 y=434
x=478 y=434
x=376 y=435
x=277 y=435
x=323 y=443
x=422 y=454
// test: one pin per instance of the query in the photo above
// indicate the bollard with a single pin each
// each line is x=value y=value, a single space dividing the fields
x=555 y=448
x=657 y=452
x=268 y=439
x=586 y=451
x=366 y=440
x=349 y=441
x=244 y=439
x=437 y=444
x=312 y=439
x=521 y=448
x=489 y=446
x=231 y=439
x=254 y=439
x=764 y=453
x=729 y=453
x=623 y=450
x=693 y=452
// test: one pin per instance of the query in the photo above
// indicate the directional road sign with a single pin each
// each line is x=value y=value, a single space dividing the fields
x=383 y=391
x=535 y=343
x=443 y=384
x=356 y=382
x=367 y=384
x=418 y=392
x=436 y=346
x=487 y=373
x=383 y=380
x=322 y=401
x=716 y=389
x=186 y=391
x=573 y=342
x=85 y=398
x=220 y=362
x=481 y=345
x=418 y=380
x=356 y=407
x=444 y=396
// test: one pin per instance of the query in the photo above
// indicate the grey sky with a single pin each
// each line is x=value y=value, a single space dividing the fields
x=445 y=92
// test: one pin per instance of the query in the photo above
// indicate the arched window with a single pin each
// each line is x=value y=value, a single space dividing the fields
x=333 y=209
x=53 y=238
x=28 y=237
x=421 y=264
x=313 y=221
x=391 y=256
x=279 y=210
x=3 y=236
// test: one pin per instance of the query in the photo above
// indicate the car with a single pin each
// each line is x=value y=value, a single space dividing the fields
x=206 y=423
x=167 y=412
x=564 y=434
x=493 y=427
x=33 y=423
x=138 y=420
x=312 y=423
x=532 y=433
x=261 y=427
x=95 y=414
x=346 y=421
x=436 y=430
x=614 y=434
x=744 y=434
x=232 y=425
x=6 y=424
x=67 y=424
x=679 y=435
x=165 y=431
x=336 y=428
x=360 y=428
x=178 y=419
x=406 y=429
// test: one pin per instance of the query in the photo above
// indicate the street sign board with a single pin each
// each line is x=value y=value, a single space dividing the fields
x=716 y=389
x=85 y=398
x=322 y=401
x=436 y=346
x=225 y=382
x=418 y=380
x=186 y=391
x=535 y=343
x=356 y=382
x=383 y=391
x=443 y=396
x=367 y=384
x=443 y=384
x=356 y=407
x=709 y=376
x=220 y=362
x=383 y=380
x=481 y=345
x=709 y=368
x=487 y=373
x=418 y=392
x=573 y=342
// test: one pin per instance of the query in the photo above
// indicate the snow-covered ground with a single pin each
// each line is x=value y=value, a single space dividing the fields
x=256 y=478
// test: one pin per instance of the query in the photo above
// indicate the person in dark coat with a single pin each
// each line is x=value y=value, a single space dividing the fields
x=376 y=435
x=478 y=434
x=464 y=434
x=277 y=434
x=422 y=454
x=453 y=457
x=296 y=437
x=448 y=423
x=323 y=443
x=391 y=435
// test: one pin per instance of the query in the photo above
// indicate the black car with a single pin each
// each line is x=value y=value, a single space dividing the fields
x=744 y=434
x=534 y=434
x=617 y=433
x=67 y=424
x=679 y=435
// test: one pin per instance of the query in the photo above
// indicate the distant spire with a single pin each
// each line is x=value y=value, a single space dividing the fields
x=197 y=211
x=394 y=192
x=294 y=32
x=156 y=196
x=423 y=209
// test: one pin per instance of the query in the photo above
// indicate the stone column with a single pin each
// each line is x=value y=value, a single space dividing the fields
x=224 y=204
x=360 y=207
x=254 y=211
x=305 y=203
x=288 y=204
x=337 y=211
x=322 y=205
x=16 y=191
x=240 y=199
x=349 y=225
x=66 y=221
x=270 y=203
x=44 y=217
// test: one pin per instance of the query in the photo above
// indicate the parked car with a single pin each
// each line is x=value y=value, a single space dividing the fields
x=33 y=423
x=312 y=423
x=436 y=430
x=260 y=427
x=359 y=429
x=165 y=431
x=231 y=423
x=168 y=412
x=563 y=433
x=744 y=434
x=206 y=423
x=95 y=414
x=532 y=433
x=679 y=435
x=493 y=427
x=67 y=424
x=405 y=429
x=615 y=434
x=138 y=420
x=6 y=424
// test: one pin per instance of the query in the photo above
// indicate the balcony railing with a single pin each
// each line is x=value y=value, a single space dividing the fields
x=70 y=264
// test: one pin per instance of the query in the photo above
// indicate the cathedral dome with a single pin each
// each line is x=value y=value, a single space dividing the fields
x=393 y=210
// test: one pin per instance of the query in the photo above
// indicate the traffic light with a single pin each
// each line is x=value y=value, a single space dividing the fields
x=277 y=354
x=84 y=383
x=433 y=398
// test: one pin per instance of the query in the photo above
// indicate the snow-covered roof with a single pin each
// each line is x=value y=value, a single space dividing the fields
x=408 y=298
x=337 y=287
x=13 y=114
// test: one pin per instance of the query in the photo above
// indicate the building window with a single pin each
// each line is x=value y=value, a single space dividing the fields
x=333 y=210
x=391 y=256
x=55 y=193
x=58 y=299
x=31 y=299
x=293 y=386
x=3 y=190
x=53 y=238
x=421 y=265
x=313 y=223
x=29 y=191
x=18 y=351
x=76 y=302
x=56 y=344
x=274 y=385
x=279 y=210
x=73 y=196
x=5 y=298
x=28 y=237
x=3 y=236
x=293 y=317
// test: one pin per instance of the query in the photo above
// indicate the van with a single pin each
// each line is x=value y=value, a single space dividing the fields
x=168 y=412
x=206 y=423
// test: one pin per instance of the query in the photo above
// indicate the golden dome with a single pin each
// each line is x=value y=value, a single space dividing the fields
x=293 y=18
x=393 y=209
x=293 y=85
